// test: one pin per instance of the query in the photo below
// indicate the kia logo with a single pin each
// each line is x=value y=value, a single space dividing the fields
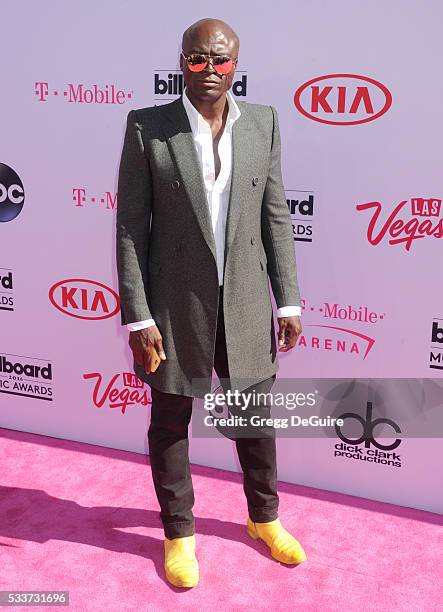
x=368 y=426
x=84 y=299
x=12 y=195
x=343 y=99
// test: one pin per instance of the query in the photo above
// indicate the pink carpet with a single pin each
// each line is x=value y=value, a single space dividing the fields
x=84 y=518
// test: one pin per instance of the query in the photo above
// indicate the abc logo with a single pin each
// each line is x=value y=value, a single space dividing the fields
x=12 y=195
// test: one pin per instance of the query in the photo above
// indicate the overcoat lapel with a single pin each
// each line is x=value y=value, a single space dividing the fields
x=181 y=143
x=241 y=156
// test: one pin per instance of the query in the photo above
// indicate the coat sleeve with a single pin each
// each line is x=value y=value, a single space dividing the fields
x=133 y=216
x=276 y=229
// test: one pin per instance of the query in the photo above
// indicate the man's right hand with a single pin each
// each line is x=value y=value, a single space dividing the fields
x=142 y=343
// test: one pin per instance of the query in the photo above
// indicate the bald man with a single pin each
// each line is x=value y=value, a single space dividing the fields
x=202 y=223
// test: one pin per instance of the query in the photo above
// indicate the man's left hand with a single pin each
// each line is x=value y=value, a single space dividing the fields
x=289 y=331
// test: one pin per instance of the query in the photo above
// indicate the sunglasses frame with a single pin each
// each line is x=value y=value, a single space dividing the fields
x=209 y=60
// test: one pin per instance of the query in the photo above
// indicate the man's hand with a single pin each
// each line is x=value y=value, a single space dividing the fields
x=289 y=330
x=142 y=342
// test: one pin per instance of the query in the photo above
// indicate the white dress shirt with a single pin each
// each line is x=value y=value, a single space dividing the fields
x=217 y=190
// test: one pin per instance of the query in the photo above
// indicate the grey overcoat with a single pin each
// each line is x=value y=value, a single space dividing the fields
x=166 y=260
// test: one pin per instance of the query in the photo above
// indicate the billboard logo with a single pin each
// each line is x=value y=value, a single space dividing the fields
x=342 y=99
x=12 y=194
x=84 y=299
x=168 y=83
x=436 y=352
x=301 y=209
x=26 y=376
x=6 y=289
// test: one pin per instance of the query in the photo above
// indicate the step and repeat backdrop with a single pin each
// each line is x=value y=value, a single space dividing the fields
x=357 y=89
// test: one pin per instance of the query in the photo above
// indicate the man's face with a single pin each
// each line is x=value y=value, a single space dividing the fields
x=209 y=39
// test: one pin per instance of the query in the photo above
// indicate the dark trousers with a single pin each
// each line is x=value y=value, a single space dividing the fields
x=169 y=454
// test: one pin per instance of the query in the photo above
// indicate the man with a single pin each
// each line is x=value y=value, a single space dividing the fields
x=202 y=221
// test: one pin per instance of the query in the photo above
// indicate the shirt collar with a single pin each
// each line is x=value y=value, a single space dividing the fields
x=196 y=119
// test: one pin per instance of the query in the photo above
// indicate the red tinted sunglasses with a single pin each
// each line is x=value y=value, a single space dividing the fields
x=197 y=62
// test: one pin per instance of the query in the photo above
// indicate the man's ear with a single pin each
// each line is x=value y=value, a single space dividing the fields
x=181 y=62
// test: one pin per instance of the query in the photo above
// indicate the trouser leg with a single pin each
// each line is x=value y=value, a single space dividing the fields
x=169 y=458
x=257 y=455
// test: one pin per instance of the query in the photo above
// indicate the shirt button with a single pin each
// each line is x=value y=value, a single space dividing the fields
x=175 y=184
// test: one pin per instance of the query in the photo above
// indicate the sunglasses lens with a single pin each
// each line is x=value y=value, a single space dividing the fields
x=196 y=63
x=223 y=65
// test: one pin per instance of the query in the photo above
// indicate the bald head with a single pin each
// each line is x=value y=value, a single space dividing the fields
x=215 y=33
x=209 y=37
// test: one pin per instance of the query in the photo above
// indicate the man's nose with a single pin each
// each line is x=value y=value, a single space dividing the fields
x=210 y=68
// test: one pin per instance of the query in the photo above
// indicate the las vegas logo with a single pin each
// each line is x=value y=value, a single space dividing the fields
x=401 y=226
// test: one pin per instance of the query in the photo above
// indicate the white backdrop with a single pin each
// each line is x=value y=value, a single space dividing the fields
x=369 y=136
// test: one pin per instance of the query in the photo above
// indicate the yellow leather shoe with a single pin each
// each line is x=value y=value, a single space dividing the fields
x=284 y=547
x=181 y=565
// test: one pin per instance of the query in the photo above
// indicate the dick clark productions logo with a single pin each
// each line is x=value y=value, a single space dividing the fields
x=350 y=448
x=12 y=194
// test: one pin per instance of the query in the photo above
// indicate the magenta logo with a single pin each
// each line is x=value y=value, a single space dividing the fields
x=343 y=99
x=84 y=299
x=339 y=333
x=336 y=339
x=81 y=93
x=82 y=197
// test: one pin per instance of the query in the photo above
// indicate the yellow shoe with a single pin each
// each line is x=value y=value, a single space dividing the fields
x=181 y=565
x=284 y=547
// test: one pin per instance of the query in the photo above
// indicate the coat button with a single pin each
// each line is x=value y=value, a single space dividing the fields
x=255 y=180
x=252 y=239
x=175 y=184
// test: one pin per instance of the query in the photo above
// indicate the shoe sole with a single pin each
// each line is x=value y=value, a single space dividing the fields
x=185 y=585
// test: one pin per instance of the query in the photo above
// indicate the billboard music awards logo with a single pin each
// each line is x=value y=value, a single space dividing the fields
x=169 y=83
x=80 y=93
x=82 y=198
x=334 y=335
x=342 y=99
x=84 y=299
x=368 y=447
x=26 y=376
x=12 y=194
x=405 y=224
x=436 y=352
x=6 y=289
x=121 y=391
x=301 y=208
